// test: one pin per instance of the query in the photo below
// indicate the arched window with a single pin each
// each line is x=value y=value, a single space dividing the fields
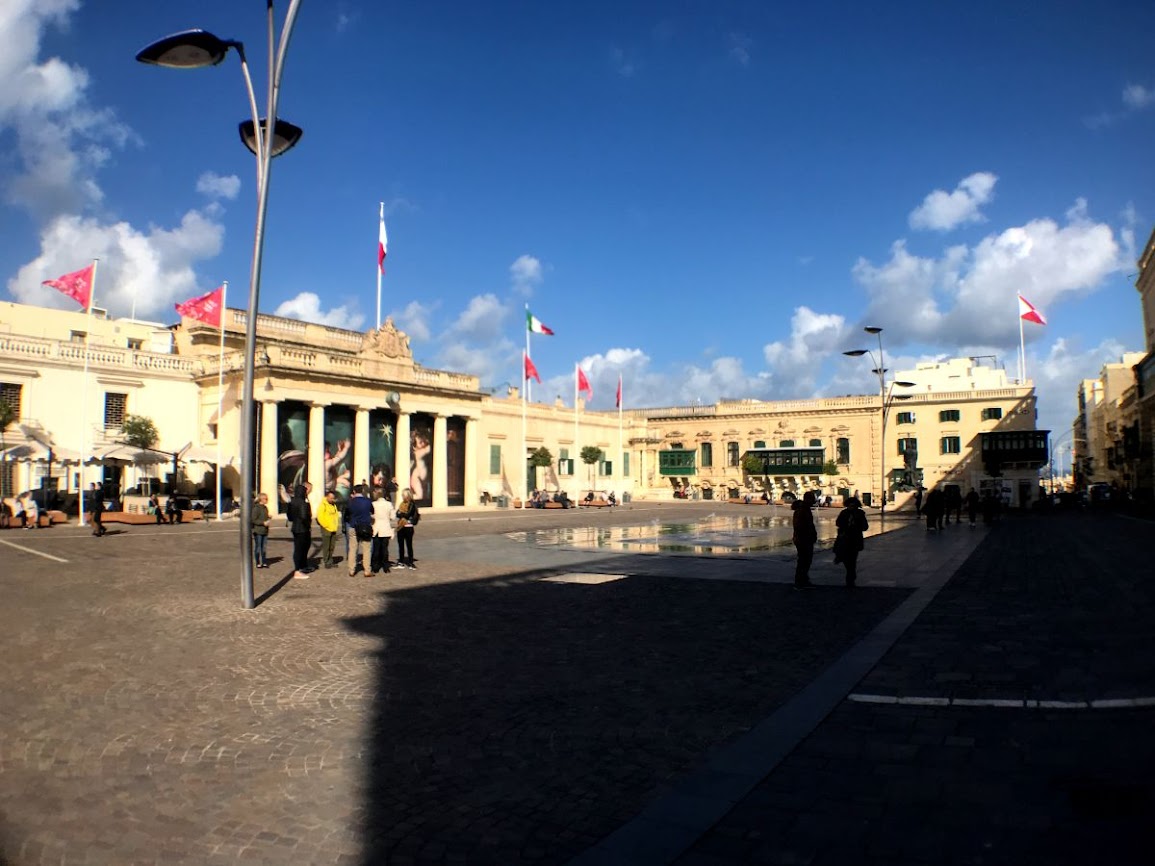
x=786 y=443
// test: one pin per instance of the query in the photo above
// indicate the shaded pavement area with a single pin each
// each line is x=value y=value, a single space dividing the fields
x=510 y=704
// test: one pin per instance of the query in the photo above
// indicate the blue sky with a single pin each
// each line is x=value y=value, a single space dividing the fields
x=708 y=198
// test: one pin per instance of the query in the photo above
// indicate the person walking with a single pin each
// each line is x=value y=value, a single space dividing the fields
x=383 y=516
x=972 y=502
x=359 y=519
x=259 y=521
x=407 y=518
x=300 y=516
x=805 y=536
x=98 y=529
x=851 y=524
x=329 y=519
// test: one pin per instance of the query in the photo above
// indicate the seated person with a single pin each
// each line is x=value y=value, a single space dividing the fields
x=172 y=512
x=613 y=500
x=563 y=498
x=589 y=497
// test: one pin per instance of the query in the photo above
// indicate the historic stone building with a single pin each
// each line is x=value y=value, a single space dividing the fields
x=340 y=407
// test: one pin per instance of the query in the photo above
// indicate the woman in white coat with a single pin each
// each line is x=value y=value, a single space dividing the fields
x=384 y=516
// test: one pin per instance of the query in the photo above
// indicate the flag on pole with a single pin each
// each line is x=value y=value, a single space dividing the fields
x=534 y=325
x=530 y=369
x=583 y=384
x=77 y=285
x=1028 y=312
x=618 y=401
x=382 y=246
x=207 y=308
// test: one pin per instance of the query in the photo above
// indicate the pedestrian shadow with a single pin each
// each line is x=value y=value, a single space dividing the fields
x=526 y=716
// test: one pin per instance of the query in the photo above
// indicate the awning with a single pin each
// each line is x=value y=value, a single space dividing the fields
x=37 y=452
x=126 y=455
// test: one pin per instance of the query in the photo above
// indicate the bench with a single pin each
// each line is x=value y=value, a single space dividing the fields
x=757 y=500
x=597 y=503
x=132 y=518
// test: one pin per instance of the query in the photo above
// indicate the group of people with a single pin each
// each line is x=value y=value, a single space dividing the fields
x=25 y=510
x=851 y=523
x=541 y=498
x=941 y=504
x=368 y=519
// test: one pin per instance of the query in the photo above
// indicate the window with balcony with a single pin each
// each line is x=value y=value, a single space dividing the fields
x=948 y=415
x=904 y=418
x=992 y=413
x=842 y=448
x=950 y=445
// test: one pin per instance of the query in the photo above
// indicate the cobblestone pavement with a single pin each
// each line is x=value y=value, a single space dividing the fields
x=466 y=712
x=942 y=756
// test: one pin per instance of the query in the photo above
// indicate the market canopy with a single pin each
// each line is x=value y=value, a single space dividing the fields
x=126 y=455
x=35 y=451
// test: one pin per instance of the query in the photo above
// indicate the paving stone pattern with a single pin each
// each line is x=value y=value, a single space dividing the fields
x=466 y=712
x=1059 y=607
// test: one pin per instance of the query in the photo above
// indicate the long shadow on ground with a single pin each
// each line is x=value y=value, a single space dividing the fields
x=521 y=720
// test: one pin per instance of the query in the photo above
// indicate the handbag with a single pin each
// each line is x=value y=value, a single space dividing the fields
x=364 y=533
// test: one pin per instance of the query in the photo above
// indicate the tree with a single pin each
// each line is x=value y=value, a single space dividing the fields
x=591 y=454
x=139 y=431
x=8 y=416
x=830 y=467
x=541 y=458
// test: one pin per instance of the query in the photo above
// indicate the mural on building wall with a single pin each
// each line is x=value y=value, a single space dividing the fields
x=421 y=464
x=292 y=447
x=339 y=447
x=455 y=460
x=382 y=447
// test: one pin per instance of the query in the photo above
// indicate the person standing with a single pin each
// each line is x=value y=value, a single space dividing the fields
x=851 y=524
x=359 y=520
x=329 y=519
x=97 y=512
x=805 y=537
x=407 y=518
x=933 y=510
x=383 y=516
x=300 y=516
x=259 y=521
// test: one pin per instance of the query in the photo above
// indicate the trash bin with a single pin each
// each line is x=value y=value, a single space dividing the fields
x=502 y=501
x=625 y=497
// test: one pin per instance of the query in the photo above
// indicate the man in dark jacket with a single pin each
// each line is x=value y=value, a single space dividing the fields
x=359 y=518
x=805 y=536
x=98 y=512
x=300 y=515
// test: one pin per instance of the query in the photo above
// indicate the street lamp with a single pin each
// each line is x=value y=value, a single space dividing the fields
x=265 y=137
x=886 y=397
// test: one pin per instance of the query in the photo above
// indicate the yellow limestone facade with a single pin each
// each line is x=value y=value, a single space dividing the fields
x=340 y=407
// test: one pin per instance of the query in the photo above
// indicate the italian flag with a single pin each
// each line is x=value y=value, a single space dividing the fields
x=534 y=325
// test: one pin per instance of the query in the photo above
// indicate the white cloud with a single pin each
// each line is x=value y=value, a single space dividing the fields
x=482 y=319
x=967 y=295
x=795 y=363
x=152 y=269
x=218 y=186
x=622 y=64
x=525 y=274
x=306 y=306
x=414 y=321
x=740 y=48
x=943 y=211
x=1057 y=372
x=1137 y=97
x=61 y=139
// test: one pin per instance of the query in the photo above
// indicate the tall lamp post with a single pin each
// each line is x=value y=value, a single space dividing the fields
x=265 y=137
x=886 y=398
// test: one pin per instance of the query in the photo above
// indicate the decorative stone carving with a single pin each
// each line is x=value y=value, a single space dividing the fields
x=387 y=340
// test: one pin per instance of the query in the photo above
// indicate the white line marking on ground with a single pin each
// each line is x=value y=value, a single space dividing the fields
x=33 y=550
x=1004 y=703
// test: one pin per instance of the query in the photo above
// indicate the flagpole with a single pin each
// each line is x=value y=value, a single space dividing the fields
x=221 y=390
x=84 y=398
x=621 y=449
x=524 y=407
x=381 y=219
x=1022 y=353
x=527 y=314
x=576 y=425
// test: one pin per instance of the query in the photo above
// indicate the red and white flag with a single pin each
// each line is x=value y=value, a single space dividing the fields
x=382 y=246
x=77 y=285
x=583 y=384
x=207 y=308
x=618 y=402
x=1027 y=311
x=530 y=369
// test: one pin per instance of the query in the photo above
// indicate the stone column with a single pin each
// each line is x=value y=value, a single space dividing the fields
x=440 y=483
x=403 y=453
x=316 y=459
x=470 y=490
x=267 y=474
x=361 y=448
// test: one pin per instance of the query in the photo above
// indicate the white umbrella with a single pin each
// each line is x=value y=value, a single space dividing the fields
x=38 y=452
x=126 y=455
x=202 y=454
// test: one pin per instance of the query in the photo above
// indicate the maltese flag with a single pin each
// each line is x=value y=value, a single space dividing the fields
x=1028 y=312
x=530 y=369
x=583 y=384
x=382 y=246
x=77 y=285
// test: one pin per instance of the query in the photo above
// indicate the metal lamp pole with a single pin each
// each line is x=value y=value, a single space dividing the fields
x=885 y=400
x=265 y=138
